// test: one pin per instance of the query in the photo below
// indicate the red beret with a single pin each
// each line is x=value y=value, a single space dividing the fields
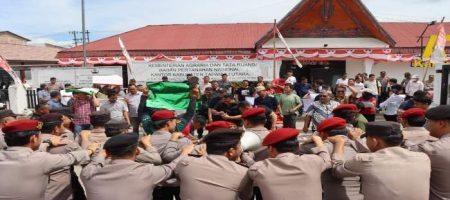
x=163 y=114
x=331 y=123
x=253 y=112
x=413 y=112
x=349 y=107
x=218 y=124
x=22 y=125
x=280 y=135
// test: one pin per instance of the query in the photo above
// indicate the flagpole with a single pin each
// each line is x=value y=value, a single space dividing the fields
x=274 y=47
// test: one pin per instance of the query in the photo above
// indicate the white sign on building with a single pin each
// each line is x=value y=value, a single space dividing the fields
x=78 y=76
x=177 y=70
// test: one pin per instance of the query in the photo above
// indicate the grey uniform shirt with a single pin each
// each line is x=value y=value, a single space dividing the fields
x=168 y=150
x=416 y=135
x=439 y=153
x=24 y=173
x=334 y=188
x=59 y=185
x=116 y=109
x=212 y=177
x=391 y=173
x=123 y=179
x=290 y=176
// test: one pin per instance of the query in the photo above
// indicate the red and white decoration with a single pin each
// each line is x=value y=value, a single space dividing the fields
x=380 y=55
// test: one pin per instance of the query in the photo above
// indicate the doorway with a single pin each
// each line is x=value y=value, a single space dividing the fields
x=328 y=71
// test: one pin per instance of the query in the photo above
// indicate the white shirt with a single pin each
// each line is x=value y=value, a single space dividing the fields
x=373 y=85
x=359 y=87
x=342 y=81
x=392 y=104
x=291 y=79
x=203 y=86
x=412 y=87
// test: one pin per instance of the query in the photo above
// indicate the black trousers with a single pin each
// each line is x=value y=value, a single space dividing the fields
x=166 y=193
x=289 y=121
x=390 y=118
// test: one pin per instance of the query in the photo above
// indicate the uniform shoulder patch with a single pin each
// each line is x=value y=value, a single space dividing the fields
x=366 y=157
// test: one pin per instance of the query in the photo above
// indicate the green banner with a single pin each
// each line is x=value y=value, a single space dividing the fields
x=168 y=95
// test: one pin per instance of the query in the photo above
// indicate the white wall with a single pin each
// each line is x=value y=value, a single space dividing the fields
x=393 y=69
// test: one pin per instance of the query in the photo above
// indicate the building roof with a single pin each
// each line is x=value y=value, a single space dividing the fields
x=13 y=34
x=406 y=34
x=217 y=39
x=18 y=52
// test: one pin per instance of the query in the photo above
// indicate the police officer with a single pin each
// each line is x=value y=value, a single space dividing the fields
x=216 y=175
x=439 y=151
x=347 y=188
x=59 y=186
x=414 y=132
x=390 y=172
x=286 y=175
x=24 y=171
x=122 y=177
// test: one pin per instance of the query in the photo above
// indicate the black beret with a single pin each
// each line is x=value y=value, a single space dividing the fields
x=383 y=128
x=63 y=111
x=51 y=118
x=223 y=135
x=7 y=113
x=121 y=142
x=116 y=124
x=438 y=113
x=103 y=116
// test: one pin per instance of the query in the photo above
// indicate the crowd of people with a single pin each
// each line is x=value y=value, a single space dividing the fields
x=130 y=151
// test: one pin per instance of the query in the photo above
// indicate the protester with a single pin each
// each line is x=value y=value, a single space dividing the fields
x=264 y=99
x=342 y=81
x=392 y=104
x=320 y=110
x=133 y=100
x=43 y=94
x=289 y=103
x=302 y=87
x=244 y=91
x=413 y=85
x=83 y=105
x=373 y=85
x=55 y=101
x=429 y=84
x=225 y=83
x=384 y=84
x=370 y=104
x=54 y=86
x=406 y=80
x=117 y=108
x=205 y=84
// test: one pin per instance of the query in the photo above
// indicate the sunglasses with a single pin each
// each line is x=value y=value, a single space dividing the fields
x=340 y=91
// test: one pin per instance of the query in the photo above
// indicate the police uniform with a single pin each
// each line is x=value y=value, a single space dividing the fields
x=334 y=188
x=214 y=176
x=66 y=111
x=391 y=173
x=260 y=130
x=122 y=178
x=415 y=135
x=439 y=153
x=290 y=176
x=59 y=185
x=25 y=173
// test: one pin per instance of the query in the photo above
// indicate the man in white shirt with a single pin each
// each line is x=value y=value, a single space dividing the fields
x=291 y=78
x=414 y=85
x=133 y=98
x=342 y=81
x=373 y=84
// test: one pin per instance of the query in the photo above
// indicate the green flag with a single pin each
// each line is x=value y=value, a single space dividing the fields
x=168 y=95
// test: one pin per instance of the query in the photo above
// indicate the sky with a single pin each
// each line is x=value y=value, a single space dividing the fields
x=52 y=20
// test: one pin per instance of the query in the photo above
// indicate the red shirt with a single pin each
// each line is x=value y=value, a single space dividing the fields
x=369 y=105
x=280 y=82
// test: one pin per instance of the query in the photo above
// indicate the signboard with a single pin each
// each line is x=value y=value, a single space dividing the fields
x=176 y=71
x=78 y=76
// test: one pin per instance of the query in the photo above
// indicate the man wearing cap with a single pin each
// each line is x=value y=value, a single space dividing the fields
x=24 y=171
x=82 y=106
x=284 y=174
x=6 y=116
x=438 y=123
x=414 y=132
x=389 y=172
x=337 y=188
x=265 y=100
x=349 y=113
x=59 y=185
x=414 y=85
x=216 y=175
x=254 y=120
x=122 y=177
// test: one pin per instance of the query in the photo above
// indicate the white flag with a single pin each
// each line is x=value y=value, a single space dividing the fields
x=439 y=54
x=287 y=47
x=127 y=56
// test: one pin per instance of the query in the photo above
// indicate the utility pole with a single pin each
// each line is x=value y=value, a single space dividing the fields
x=83 y=29
x=75 y=39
